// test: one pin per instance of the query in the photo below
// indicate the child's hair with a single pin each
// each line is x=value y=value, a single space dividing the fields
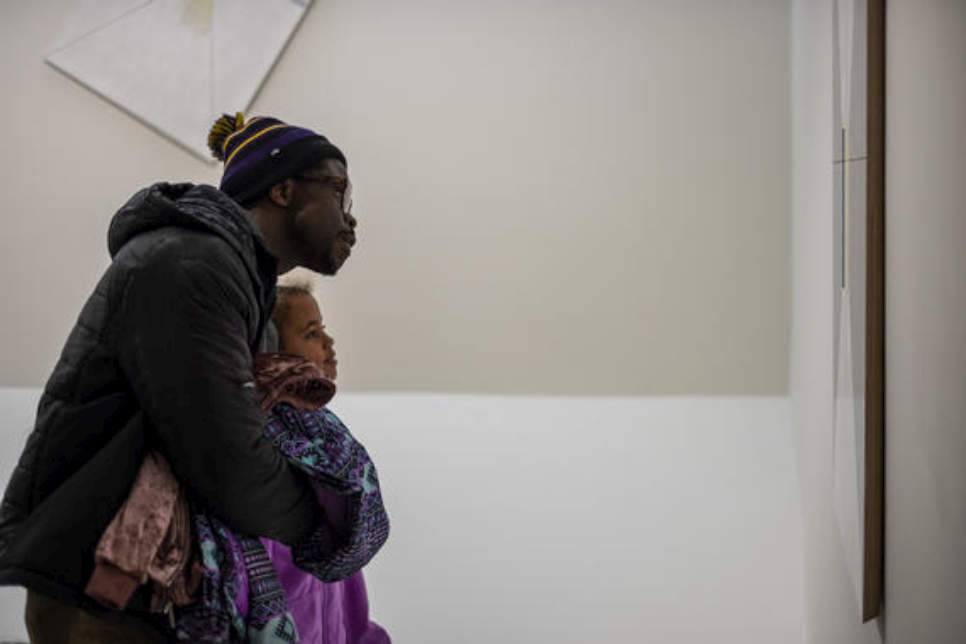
x=284 y=293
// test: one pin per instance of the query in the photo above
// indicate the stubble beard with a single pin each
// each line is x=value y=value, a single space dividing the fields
x=328 y=264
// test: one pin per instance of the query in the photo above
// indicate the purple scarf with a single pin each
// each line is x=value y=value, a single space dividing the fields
x=242 y=599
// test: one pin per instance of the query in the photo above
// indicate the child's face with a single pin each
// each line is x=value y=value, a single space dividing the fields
x=303 y=334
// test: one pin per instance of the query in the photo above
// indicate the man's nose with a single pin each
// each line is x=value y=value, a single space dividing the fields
x=349 y=219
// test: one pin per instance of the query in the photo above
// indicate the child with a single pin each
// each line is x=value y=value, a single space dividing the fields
x=239 y=589
x=337 y=611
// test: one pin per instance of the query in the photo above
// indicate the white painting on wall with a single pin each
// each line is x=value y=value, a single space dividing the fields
x=176 y=64
x=848 y=452
x=850 y=164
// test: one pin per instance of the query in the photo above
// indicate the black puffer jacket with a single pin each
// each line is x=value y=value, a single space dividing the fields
x=160 y=357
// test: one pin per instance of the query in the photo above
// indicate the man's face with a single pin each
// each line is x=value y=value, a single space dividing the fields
x=322 y=234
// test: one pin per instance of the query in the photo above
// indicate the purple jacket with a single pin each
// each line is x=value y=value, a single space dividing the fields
x=333 y=613
x=324 y=613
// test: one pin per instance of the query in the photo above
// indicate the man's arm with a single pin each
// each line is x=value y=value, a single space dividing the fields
x=182 y=339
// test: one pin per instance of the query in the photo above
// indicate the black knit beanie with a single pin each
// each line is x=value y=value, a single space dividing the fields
x=262 y=152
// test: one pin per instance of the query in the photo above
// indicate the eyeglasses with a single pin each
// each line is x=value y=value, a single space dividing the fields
x=341 y=185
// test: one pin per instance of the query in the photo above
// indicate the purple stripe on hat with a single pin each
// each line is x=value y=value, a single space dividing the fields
x=256 y=138
x=261 y=148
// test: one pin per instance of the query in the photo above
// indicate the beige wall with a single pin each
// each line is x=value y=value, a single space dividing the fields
x=925 y=565
x=926 y=322
x=555 y=197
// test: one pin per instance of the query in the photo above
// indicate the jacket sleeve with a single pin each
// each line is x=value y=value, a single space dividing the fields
x=182 y=333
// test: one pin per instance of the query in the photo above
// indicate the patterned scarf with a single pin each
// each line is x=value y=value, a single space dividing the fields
x=241 y=597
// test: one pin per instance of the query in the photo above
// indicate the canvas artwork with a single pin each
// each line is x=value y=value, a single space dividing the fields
x=176 y=64
x=858 y=292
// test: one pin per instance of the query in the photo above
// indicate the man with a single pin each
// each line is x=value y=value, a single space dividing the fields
x=160 y=358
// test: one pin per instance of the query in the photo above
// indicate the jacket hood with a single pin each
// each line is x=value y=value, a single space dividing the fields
x=199 y=207
x=182 y=205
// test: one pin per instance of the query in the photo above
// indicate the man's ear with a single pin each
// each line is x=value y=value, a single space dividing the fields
x=281 y=193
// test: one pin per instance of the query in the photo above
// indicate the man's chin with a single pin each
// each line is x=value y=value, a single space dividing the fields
x=324 y=266
x=331 y=263
x=336 y=262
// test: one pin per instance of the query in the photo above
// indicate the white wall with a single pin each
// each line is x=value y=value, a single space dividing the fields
x=545 y=188
x=925 y=567
x=525 y=520
x=558 y=197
